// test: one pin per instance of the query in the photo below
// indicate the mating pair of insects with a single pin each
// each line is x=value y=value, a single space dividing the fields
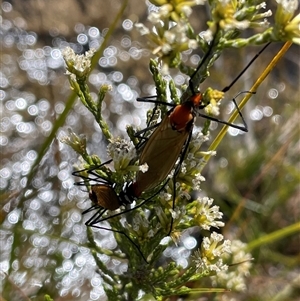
x=167 y=145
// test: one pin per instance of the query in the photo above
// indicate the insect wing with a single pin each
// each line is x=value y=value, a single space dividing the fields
x=105 y=196
x=160 y=153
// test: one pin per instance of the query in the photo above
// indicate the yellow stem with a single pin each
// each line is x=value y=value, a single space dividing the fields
x=235 y=114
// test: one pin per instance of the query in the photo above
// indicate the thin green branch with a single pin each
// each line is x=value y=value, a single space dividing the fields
x=274 y=236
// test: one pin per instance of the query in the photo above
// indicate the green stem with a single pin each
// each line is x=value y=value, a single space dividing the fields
x=272 y=237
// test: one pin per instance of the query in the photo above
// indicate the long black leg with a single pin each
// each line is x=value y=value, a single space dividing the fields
x=137 y=206
x=177 y=169
x=245 y=68
x=90 y=171
x=242 y=128
x=227 y=88
x=96 y=218
x=120 y=232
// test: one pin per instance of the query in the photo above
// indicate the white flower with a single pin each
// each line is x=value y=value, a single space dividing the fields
x=150 y=233
x=166 y=196
x=165 y=10
x=206 y=215
x=186 y=10
x=237 y=25
x=143 y=168
x=213 y=108
x=166 y=48
x=234 y=279
x=165 y=69
x=262 y=5
x=170 y=37
x=142 y=29
x=122 y=152
x=79 y=65
x=184 y=194
x=209 y=258
x=175 y=213
x=289 y=6
x=197 y=181
x=207 y=35
x=192 y=44
x=212 y=247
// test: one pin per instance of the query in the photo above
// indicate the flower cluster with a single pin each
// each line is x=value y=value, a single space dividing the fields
x=142 y=228
x=171 y=33
x=78 y=66
x=212 y=98
x=287 y=27
x=122 y=152
x=239 y=14
x=209 y=257
x=234 y=278
x=78 y=143
x=192 y=165
x=201 y=213
x=173 y=9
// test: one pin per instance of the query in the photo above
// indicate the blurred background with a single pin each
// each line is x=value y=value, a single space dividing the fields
x=254 y=178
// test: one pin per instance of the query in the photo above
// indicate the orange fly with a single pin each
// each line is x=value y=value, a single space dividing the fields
x=170 y=139
x=167 y=143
